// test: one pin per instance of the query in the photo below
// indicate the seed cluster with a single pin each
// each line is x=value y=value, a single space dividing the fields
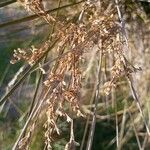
x=30 y=55
x=64 y=80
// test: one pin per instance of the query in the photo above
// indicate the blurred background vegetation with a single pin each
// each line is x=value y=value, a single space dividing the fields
x=34 y=32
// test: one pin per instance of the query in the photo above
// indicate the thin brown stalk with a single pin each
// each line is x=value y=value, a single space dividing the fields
x=97 y=97
x=129 y=77
x=144 y=142
x=122 y=127
x=88 y=119
x=135 y=130
x=138 y=103
x=116 y=118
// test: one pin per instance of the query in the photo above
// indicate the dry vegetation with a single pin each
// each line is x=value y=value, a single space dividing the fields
x=86 y=69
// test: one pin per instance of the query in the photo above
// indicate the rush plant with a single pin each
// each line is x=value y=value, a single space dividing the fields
x=87 y=47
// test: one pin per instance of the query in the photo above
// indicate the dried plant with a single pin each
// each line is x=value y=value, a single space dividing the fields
x=95 y=30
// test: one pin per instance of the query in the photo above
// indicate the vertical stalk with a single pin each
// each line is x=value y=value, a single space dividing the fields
x=97 y=97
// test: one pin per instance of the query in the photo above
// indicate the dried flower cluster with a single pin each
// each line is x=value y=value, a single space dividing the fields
x=64 y=80
x=36 y=6
x=30 y=55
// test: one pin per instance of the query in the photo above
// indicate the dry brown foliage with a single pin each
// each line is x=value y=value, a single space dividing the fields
x=95 y=29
